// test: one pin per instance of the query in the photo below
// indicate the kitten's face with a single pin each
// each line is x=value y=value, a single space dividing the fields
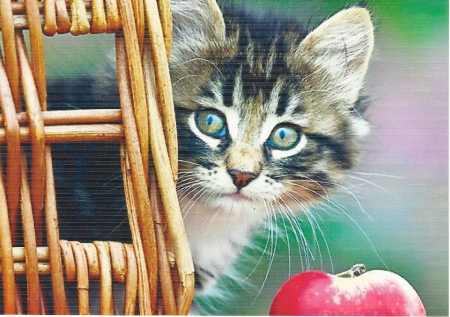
x=268 y=121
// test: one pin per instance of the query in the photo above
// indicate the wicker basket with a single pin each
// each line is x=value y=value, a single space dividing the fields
x=158 y=264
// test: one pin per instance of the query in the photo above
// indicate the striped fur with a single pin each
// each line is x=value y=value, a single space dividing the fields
x=264 y=80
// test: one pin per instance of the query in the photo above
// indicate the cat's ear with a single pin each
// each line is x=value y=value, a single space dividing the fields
x=197 y=20
x=340 y=48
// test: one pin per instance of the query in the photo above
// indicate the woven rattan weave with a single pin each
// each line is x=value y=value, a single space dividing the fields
x=156 y=268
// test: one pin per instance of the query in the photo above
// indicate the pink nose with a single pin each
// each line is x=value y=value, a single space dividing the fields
x=241 y=179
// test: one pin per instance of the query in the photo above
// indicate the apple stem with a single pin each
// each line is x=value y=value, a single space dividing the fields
x=354 y=271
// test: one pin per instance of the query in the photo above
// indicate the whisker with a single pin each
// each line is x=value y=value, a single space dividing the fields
x=314 y=224
x=269 y=226
x=353 y=220
x=184 y=191
x=373 y=184
x=376 y=174
x=291 y=215
x=189 y=162
x=355 y=198
x=199 y=59
x=273 y=238
x=182 y=78
x=192 y=201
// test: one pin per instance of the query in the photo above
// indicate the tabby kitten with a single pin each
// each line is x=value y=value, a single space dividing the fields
x=269 y=119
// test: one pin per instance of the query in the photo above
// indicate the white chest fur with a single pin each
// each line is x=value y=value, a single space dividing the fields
x=216 y=235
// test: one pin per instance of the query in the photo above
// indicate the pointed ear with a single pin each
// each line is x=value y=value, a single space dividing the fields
x=340 y=49
x=197 y=20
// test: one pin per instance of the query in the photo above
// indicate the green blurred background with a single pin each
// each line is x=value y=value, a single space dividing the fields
x=394 y=211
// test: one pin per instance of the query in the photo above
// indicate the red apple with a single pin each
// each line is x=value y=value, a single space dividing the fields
x=374 y=293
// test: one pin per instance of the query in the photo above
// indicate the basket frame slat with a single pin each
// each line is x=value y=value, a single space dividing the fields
x=31 y=260
x=139 y=183
x=60 y=304
x=37 y=137
x=8 y=278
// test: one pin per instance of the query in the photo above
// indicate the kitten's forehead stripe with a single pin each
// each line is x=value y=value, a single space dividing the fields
x=258 y=61
x=255 y=77
x=228 y=87
x=207 y=92
x=283 y=103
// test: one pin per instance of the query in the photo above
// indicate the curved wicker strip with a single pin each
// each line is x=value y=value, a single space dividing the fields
x=172 y=209
x=35 y=91
x=145 y=306
x=37 y=47
x=167 y=188
x=69 y=261
x=92 y=259
x=112 y=16
x=31 y=260
x=50 y=26
x=165 y=14
x=9 y=46
x=82 y=278
x=37 y=139
x=131 y=283
x=18 y=303
x=9 y=299
x=165 y=274
x=165 y=278
x=62 y=17
x=80 y=23
x=134 y=63
x=98 y=23
x=139 y=18
x=138 y=176
x=12 y=138
x=163 y=84
x=13 y=146
x=118 y=264
x=60 y=305
x=106 y=295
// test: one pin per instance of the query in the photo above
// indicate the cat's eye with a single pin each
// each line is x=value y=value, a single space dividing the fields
x=284 y=137
x=211 y=123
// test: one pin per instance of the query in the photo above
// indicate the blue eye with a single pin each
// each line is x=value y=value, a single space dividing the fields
x=284 y=137
x=211 y=123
